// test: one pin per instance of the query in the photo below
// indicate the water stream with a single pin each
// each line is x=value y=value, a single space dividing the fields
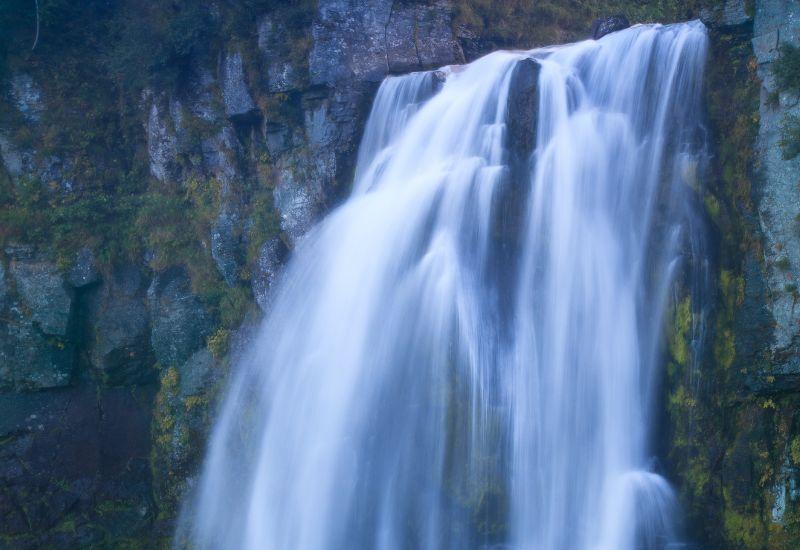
x=466 y=353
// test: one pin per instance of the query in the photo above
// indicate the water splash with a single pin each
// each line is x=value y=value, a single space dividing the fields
x=465 y=353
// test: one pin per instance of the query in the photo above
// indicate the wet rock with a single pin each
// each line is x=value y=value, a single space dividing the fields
x=85 y=455
x=522 y=109
x=364 y=40
x=16 y=161
x=434 y=37
x=219 y=155
x=472 y=45
x=224 y=246
x=198 y=374
x=779 y=196
x=44 y=292
x=119 y=346
x=730 y=13
x=30 y=360
x=277 y=137
x=299 y=201
x=283 y=75
x=27 y=97
x=320 y=129
x=180 y=323
x=349 y=41
x=267 y=269
x=162 y=142
x=84 y=270
x=3 y=284
x=238 y=102
x=401 y=45
x=606 y=25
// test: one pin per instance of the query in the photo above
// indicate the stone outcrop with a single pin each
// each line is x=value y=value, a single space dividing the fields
x=779 y=205
x=119 y=343
x=179 y=324
x=607 y=25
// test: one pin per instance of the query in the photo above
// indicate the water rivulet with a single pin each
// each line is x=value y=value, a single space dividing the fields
x=465 y=353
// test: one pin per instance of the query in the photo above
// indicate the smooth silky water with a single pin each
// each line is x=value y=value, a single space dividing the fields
x=437 y=373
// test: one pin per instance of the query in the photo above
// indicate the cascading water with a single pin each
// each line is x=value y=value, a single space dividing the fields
x=464 y=354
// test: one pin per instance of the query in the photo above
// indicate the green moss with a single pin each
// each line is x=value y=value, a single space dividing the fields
x=794 y=450
x=790 y=137
x=679 y=335
x=787 y=68
x=783 y=263
x=747 y=530
x=712 y=207
x=218 y=343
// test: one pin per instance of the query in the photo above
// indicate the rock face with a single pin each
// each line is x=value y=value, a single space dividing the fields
x=283 y=74
x=267 y=271
x=235 y=95
x=162 y=144
x=776 y=23
x=43 y=291
x=84 y=271
x=365 y=39
x=729 y=13
x=119 y=346
x=607 y=25
x=179 y=321
x=27 y=96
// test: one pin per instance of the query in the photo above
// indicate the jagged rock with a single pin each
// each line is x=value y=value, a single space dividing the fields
x=366 y=40
x=15 y=161
x=27 y=97
x=472 y=45
x=84 y=270
x=299 y=201
x=267 y=269
x=436 y=44
x=401 y=47
x=349 y=41
x=197 y=375
x=44 y=292
x=162 y=143
x=277 y=137
x=219 y=155
x=30 y=360
x=238 y=101
x=282 y=73
x=120 y=341
x=606 y=25
x=180 y=323
x=320 y=129
x=3 y=284
x=728 y=14
x=779 y=196
x=224 y=245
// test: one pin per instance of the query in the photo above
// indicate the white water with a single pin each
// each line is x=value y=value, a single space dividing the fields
x=434 y=375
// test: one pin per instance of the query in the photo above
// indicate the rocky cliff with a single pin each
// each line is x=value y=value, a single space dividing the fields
x=160 y=162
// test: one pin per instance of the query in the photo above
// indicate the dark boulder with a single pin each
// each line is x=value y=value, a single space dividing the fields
x=606 y=25
x=84 y=270
x=522 y=111
x=119 y=346
x=180 y=323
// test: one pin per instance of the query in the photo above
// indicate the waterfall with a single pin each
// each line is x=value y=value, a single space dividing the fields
x=465 y=354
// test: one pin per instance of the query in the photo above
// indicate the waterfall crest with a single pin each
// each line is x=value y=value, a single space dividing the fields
x=464 y=354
